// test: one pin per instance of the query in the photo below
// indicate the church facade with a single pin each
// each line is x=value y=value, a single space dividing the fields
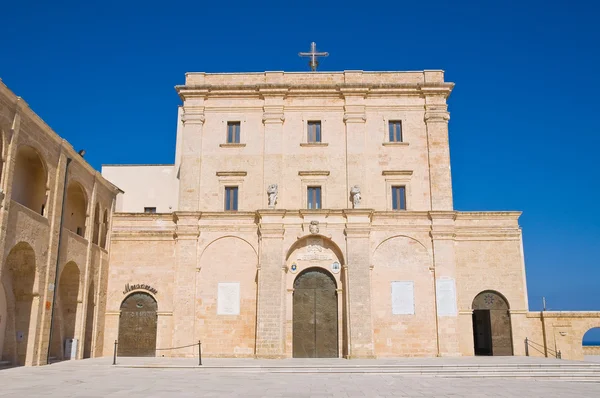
x=305 y=215
x=311 y=215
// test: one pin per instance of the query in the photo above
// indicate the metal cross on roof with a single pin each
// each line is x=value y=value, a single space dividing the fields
x=313 y=54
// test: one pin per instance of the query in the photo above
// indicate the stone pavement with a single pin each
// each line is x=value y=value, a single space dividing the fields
x=97 y=378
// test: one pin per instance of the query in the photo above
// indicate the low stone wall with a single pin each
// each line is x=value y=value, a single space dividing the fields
x=591 y=350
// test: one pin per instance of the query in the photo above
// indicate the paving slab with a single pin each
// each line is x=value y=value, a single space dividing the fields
x=98 y=378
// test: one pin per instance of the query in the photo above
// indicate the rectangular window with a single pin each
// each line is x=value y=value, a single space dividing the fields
x=231 y=198
x=395 y=131
x=314 y=131
x=149 y=209
x=79 y=231
x=314 y=197
x=233 y=132
x=399 y=198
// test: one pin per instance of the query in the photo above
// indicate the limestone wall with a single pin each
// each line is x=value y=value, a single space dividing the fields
x=33 y=168
x=591 y=350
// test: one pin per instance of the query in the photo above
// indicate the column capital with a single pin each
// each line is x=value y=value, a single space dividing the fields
x=193 y=115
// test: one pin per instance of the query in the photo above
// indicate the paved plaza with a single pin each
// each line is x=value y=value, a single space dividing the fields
x=220 y=378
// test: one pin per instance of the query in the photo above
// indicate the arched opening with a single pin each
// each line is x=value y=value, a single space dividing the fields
x=97 y=222
x=315 y=315
x=137 y=326
x=64 y=344
x=29 y=181
x=104 y=229
x=591 y=345
x=492 y=331
x=89 y=323
x=19 y=279
x=76 y=209
x=1 y=176
x=3 y=317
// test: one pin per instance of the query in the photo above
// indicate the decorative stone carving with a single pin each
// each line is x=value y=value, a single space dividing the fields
x=355 y=192
x=314 y=227
x=272 y=191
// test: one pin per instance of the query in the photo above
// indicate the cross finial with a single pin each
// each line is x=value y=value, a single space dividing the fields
x=313 y=54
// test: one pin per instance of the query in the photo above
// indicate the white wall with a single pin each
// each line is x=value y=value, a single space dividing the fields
x=144 y=186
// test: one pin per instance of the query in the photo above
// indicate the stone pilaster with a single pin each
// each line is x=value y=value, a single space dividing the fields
x=444 y=263
x=191 y=154
x=358 y=277
x=270 y=314
x=273 y=118
x=184 y=297
x=440 y=180
x=355 y=120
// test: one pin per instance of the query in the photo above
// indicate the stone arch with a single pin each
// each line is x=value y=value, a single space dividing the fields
x=89 y=321
x=410 y=238
x=315 y=331
x=328 y=243
x=492 y=329
x=104 y=229
x=402 y=298
x=67 y=311
x=76 y=208
x=138 y=325
x=30 y=180
x=20 y=279
x=228 y=271
x=97 y=222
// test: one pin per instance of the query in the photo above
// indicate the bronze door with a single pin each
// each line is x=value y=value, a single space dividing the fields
x=482 y=332
x=315 y=313
x=137 y=326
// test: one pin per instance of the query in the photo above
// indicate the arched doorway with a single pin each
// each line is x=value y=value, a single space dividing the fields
x=76 y=210
x=137 y=326
x=315 y=315
x=89 y=323
x=68 y=306
x=19 y=279
x=492 y=331
x=29 y=181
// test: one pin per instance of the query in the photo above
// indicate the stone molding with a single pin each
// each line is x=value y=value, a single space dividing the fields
x=314 y=173
x=406 y=173
x=232 y=173
x=232 y=145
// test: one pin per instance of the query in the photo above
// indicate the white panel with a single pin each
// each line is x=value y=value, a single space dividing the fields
x=446 y=297
x=228 y=302
x=403 y=298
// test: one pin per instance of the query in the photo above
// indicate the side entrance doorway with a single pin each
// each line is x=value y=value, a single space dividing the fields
x=315 y=315
x=137 y=326
x=492 y=331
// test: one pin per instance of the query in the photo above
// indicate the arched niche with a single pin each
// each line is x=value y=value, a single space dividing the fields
x=30 y=180
x=104 y=229
x=68 y=309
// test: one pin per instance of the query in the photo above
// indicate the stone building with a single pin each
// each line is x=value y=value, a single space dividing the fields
x=305 y=215
x=54 y=223
x=310 y=215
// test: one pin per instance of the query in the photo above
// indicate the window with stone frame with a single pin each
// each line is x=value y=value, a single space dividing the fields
x=149 y=209
x=313 y=198
x=314 y=131
x=231 y=198
x=399 y=197
x=395 y=130
x=233 y=132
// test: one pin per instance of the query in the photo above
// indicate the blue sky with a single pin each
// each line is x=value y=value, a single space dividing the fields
x=523 y=128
